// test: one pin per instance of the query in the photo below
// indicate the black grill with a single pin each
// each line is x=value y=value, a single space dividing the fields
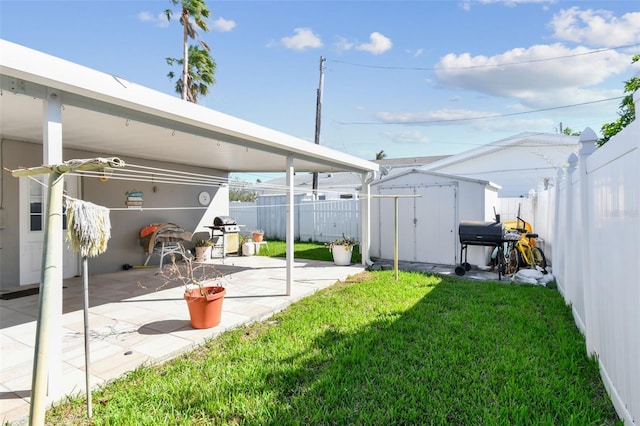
x=224 y=234
x=475 y=233
x=480 y=233
x=224 y=220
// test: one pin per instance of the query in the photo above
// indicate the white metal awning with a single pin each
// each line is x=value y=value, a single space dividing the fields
x=111 y=116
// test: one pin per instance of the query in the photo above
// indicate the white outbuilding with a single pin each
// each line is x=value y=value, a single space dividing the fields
x=430 y=208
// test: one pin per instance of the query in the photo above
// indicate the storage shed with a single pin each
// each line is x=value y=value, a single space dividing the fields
x=428 y=223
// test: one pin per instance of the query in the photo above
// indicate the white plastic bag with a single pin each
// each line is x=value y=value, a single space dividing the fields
x=527 y=276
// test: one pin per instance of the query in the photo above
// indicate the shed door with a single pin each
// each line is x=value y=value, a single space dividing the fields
x=406 y=227
x=426 y=224
x=436 y=218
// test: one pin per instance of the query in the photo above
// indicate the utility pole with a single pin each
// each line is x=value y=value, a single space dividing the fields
x=318 y=120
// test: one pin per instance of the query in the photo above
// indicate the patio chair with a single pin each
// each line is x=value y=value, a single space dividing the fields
x=164 y=239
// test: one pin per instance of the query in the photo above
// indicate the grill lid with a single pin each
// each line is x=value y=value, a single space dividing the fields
x=480 y=233
x=224 y=220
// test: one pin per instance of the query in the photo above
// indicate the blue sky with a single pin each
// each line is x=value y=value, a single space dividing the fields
x=412 y=78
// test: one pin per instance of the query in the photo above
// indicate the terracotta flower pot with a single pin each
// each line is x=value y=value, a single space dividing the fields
x=257 y=236
x=205 y=311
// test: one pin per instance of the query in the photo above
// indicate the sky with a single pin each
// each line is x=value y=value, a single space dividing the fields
x=410 y=78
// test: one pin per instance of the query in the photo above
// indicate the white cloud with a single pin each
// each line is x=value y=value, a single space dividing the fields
x=415 y=53
x=596 y=27
x=466 y=4
x=412 y=136
x=531 y=75
x=223 y=25
x=377 y=45
x=442 y=116
x=304 y=39
x=515 y=125
x=343 y=45
x=157 y=19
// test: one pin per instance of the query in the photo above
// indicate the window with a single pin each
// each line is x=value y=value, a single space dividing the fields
x=36 y=205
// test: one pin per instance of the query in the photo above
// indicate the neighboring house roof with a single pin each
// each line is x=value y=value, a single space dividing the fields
x=445 y=177
x=109 y=115
x=518 y=164
x=409 y=161
x=331 y=184
x=334 y=184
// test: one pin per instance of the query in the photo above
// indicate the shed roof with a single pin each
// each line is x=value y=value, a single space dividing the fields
x=442 y=176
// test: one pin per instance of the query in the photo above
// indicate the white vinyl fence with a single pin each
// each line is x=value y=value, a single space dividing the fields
x=321 y=221
x=596 y=252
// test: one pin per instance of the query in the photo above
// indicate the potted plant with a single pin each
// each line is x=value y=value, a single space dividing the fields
x=342 y=249
x=257 y=235
x=203 y=250
x=203 y=290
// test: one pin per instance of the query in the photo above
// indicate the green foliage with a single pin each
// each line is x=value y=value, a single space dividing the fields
x=239 y=191
x=346 y=241
x=305 y=250
x=627 y=110
x=198 y=68
x=200 y=75
x=570 y=132
x=203 y=243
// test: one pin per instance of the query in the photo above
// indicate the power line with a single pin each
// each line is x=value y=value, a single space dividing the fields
x=476 y=118
x=481 y=66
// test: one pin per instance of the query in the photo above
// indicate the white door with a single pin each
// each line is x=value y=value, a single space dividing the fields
x=436 y=224
x=33 y=195
x=406 y=225
x=426 y=227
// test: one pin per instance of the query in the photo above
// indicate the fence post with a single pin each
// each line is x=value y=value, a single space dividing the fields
x=556 y=245
x=569 y=237
x=588 y=140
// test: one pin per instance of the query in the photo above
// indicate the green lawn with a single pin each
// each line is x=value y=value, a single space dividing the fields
x=308 y=250
x=427 y=349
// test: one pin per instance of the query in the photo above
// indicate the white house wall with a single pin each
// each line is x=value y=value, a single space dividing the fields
x=516 y=168
x=123 y=247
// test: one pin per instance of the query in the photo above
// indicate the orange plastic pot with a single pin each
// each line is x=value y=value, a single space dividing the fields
x=205 y=311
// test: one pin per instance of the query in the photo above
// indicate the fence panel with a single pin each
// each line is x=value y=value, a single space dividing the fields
x=595 y=255
x=613 y=302
x=246 y=214
x=508 y=209
x=327 y=220
x=314 y=220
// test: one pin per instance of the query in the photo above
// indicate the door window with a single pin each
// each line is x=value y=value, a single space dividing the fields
x=36 y=202
x=36 y=205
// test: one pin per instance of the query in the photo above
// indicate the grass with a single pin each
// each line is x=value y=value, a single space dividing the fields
x=427 y=349
x=305 y=250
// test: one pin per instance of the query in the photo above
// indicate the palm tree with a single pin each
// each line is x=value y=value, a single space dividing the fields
x=200 y=73
x=196 y=9
x=380 y=155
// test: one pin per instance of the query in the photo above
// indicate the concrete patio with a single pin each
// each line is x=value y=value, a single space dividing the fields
x=133 y=323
